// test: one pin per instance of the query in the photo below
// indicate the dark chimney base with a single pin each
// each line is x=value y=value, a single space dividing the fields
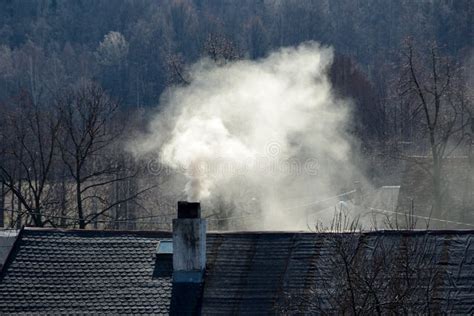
x=188 y=276
x=186 y=299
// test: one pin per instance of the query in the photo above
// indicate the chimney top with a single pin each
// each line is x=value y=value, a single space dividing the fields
x=189 y=209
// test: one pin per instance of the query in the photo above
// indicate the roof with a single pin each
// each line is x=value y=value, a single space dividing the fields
x=458 y=191
x=96 y=271
x=64 y=271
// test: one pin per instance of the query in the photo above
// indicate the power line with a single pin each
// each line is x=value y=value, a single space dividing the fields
x=288 y=208
x=75 y=219
x=320 y=201
x=256 y=215
x=422 y=217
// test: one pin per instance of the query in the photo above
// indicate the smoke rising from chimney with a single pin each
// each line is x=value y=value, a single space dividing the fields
x=268 y=133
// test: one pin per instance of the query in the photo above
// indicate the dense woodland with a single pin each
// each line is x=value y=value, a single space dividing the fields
x=77 y=79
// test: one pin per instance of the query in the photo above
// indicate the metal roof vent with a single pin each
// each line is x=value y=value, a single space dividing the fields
x=164 y=247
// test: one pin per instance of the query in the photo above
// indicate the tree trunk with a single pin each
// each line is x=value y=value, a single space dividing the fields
x=37 y=218
x=63 y=200
x=12 y=212
x=80 y=211
x=19 y=217
x=437 y=188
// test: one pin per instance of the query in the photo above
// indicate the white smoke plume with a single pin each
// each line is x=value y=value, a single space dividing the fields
x=268 y=135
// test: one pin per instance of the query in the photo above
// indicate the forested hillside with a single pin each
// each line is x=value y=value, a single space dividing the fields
x=49 y=43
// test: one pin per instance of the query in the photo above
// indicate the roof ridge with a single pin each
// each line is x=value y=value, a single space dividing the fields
x=96 y=231
x=263 y=232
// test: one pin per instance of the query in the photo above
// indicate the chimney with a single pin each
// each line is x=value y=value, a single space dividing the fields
x=189 y=244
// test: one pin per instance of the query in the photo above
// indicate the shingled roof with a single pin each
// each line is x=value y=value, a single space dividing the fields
x=55 y=271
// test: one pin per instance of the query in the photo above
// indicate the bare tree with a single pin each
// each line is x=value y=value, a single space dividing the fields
x=176 y=70
x=86 y=144
x=113 y=49
x=27 y=166
x=220 y=49
x=217 y=47
x=374 y=273
x=432 y=86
